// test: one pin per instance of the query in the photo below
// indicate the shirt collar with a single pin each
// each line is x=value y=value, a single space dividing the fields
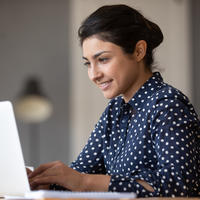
x=145 y=92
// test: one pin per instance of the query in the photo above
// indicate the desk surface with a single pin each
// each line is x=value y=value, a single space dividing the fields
x=153 y=198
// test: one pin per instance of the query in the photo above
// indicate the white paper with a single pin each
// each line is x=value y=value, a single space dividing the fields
x=14 y=197
x=87 y=195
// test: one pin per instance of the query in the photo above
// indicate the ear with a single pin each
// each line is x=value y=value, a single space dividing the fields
x=140 y=50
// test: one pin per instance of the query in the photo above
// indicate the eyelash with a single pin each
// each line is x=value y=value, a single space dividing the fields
x=87 y=64
x=101 y=60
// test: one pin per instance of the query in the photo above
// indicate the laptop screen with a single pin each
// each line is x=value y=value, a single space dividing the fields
x=13 y=175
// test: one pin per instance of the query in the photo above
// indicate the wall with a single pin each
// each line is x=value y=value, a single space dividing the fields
x=195 y=15
x=33 y=42
x=39 y=37
x=172 y=58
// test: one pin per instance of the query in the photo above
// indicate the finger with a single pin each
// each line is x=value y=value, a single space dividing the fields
x=52 y=171
x=47 y=180
x=48 y=172
x=40 y=176
x=41 y=187
x=40 y=169
x=28 y=171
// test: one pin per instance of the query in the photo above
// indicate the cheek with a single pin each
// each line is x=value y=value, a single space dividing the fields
x=116 y=72
x=112 y=70
x=124 y=76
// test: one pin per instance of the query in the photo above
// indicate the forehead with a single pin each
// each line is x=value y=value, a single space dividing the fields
x=93 y=45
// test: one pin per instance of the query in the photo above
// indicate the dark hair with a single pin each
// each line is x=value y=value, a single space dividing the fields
x=123 y=26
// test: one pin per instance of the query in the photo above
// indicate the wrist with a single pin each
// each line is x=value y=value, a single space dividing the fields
x=94 y=182
x=85 y=182
x=80 y=183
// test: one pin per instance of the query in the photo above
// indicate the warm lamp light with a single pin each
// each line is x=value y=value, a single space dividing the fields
x=33 y=106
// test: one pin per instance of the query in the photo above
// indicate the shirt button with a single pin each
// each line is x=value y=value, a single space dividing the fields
x=123 y=121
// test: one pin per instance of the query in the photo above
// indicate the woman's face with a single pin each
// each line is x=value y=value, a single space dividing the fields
x=112 y=70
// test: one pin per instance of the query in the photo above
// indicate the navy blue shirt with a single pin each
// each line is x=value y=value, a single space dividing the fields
x=154 y=137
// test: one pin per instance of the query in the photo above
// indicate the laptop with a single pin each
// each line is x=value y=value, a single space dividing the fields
x=13 y=176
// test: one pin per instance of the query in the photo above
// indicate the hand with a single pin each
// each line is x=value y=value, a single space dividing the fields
x=41 y=187
x=56 y=173
x=28 y=171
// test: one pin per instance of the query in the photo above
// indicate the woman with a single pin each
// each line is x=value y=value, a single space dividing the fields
x=147 y=139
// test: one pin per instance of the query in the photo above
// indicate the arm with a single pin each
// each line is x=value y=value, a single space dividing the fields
x=89 y=161
x=91 y=184
x=174 y=131
x=71 y=179
x=169 y=179
x=59 y=173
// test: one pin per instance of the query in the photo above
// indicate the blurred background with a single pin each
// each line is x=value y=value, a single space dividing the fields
x=40 y=55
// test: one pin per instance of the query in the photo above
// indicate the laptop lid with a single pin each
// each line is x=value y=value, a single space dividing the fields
x=13 y=177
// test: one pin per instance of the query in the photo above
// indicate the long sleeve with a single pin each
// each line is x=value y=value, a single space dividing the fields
x=90 y=160
x=174 y=132
x=154 y=137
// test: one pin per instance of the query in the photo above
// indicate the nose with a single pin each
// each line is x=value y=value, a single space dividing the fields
x=94 y=73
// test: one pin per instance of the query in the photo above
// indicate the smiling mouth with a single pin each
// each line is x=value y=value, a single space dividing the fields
x=105 y=85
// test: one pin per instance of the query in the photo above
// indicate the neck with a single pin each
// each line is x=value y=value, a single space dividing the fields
x=143 y=77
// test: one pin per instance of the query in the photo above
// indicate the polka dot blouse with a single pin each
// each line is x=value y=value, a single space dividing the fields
x=154 y=137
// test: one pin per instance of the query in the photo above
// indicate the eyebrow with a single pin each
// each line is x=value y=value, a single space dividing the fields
x=96 y=55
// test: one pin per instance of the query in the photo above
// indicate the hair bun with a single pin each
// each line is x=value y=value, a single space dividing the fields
x=155 y=35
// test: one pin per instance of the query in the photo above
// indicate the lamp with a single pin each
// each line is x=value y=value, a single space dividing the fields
x=32 y=105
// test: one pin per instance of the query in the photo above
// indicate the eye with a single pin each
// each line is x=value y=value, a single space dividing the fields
x=103 y=59
x=87 y=64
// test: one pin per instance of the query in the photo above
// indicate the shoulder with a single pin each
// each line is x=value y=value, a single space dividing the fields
x=168 y=93
x=168 y=99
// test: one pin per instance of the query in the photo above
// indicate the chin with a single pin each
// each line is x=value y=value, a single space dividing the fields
x=110 y=96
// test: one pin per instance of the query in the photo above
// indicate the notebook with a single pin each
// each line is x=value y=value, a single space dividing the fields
x=13 y=177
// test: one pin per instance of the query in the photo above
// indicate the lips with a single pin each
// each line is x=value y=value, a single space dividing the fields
x=105 y=85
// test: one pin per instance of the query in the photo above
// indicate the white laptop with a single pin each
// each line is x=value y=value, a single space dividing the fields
x=13 y=177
